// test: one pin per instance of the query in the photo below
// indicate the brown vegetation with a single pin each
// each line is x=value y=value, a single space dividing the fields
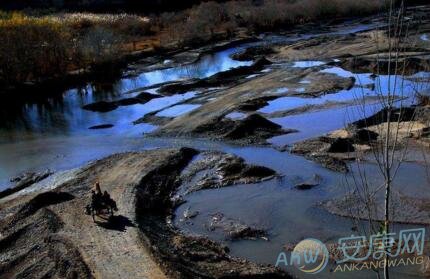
x=35 y=47
x=202 y=22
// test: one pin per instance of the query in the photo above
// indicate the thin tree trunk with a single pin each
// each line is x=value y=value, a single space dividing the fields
x=387 y=186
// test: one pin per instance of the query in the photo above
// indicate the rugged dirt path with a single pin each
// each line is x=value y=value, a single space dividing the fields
x=112 y=253
x=115 y=251
x=110 y=250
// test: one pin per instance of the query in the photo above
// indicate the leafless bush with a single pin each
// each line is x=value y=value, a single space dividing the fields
x=126 y=24
x=31 y=49
x=99 y=45
x=202 y=22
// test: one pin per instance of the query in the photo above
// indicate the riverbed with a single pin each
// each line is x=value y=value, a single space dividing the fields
x=54 y=134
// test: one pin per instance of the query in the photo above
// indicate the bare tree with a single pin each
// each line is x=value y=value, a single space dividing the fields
x=393 y=123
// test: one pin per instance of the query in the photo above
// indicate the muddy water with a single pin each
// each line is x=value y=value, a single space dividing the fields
x=289 y=215
x=54 y=134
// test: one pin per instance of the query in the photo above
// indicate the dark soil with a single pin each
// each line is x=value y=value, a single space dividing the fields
x=235 y=229
x=256 y=104
x=253 y=53
x=153 y=119
x=321 y=151
x=404 y=114
x=43 y=234
x=104 y=106
x=254 y=129
x=33 y=249
x=219 y=79
x=102 y=126
x=221 y=170
x=364 y=136
x=341 y=145
x=409 y=66
x=310 y=183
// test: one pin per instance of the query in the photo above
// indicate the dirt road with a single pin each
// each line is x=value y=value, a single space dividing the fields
x=109 y=250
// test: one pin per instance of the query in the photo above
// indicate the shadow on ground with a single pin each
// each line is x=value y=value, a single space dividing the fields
x=117 y=223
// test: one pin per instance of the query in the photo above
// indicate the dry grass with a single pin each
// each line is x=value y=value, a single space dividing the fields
x=34 y=47
x=203 y=22
x=125 y=24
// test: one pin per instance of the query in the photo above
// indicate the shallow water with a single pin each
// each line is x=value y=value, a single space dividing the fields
x=62 y=114
x=206 y=66
x=57 y=124
x=313 y=124
x=322 y=121
x=236 y=115
x=307 y=64
x=293 y=102
x=288 y=215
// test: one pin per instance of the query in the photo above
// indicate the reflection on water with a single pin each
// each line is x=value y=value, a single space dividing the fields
x=235 y=115
x=310 y=125
x=314 y=124
x=53 y=133
x=408 y=88
x=68 y=118
x=307 y=64
x=62 y=114
x=206 y=66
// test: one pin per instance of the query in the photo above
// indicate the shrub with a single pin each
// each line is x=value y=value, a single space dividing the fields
x=32 y=48
x=37 y=45
x=99 y=45
x=126 y=24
